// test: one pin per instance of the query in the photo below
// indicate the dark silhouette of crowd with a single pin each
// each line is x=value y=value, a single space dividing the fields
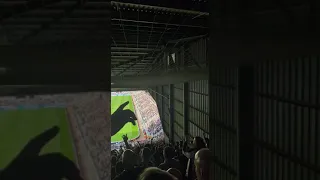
x=142 y=161
x=163 y=161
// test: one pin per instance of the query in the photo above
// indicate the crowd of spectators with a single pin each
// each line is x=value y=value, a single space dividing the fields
x=159 y=160
x=155 y=128
x=150 y=119
x=147 y=113
x=121 y=93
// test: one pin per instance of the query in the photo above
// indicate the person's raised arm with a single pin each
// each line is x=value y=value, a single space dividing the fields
x=125 y=139
x=34 y=146
x=52 y=166
x=139 y=145
x=206 y=139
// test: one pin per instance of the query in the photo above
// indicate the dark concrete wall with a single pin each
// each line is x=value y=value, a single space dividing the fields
x=56 y=64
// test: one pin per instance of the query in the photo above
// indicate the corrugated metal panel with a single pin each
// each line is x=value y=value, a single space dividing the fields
x=198 y=108
x=178 y=92
x=287 y=105
x=224 y=122
x=198 y=50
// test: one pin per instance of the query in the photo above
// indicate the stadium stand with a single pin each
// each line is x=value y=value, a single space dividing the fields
x=154 y=151
x=164 y=156
x=147 y=112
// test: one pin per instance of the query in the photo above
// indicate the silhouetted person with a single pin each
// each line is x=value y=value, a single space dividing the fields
x=169 y=162
x=197 y=144
x=29 y=165
x=206 y=140
x=121 y=117
x=119 y=167
x=146 y=156
x=113 y=167
x=158 y=156
x=125 y=140
x=156 y=174
x=202 y=163
x=129 y=162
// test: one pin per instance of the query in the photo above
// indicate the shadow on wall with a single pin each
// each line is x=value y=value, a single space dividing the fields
x=121 y=117
x=29 y=164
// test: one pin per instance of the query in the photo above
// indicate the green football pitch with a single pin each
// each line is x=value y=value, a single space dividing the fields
x=17 y=127
x=131 y=130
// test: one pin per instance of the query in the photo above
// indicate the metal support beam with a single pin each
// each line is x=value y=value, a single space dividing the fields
x=185 y=108
x=193 y=59
x=246 y=122
x=187 y=39
x=171 y=110
x=159 y=23
x=136 y=60
x=182 y=55
x=127 y=53
x=139 y=60
x=152 y=67
x=160 y=92
x=31 y=90
x=158 y=8
x=165 y=61
x=119 y=48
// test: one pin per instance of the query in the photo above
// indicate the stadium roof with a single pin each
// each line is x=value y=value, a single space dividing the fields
x=60 y=30
x=141 y=33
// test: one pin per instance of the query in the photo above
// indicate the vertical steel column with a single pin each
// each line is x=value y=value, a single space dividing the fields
x=171 y=111
x=246 y=122
x=165 y=61
x=184 y=63
x=185 y=108
x=162 y=102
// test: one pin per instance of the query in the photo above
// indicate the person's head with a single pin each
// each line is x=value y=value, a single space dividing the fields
x=168 y=153
x=129 y=159
x=136 y=150
x=198 y=142
x=146 y=155
x=202 y=162
x=154 y=173
x=114 y=152
x=147 y=146
x=176 y=173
